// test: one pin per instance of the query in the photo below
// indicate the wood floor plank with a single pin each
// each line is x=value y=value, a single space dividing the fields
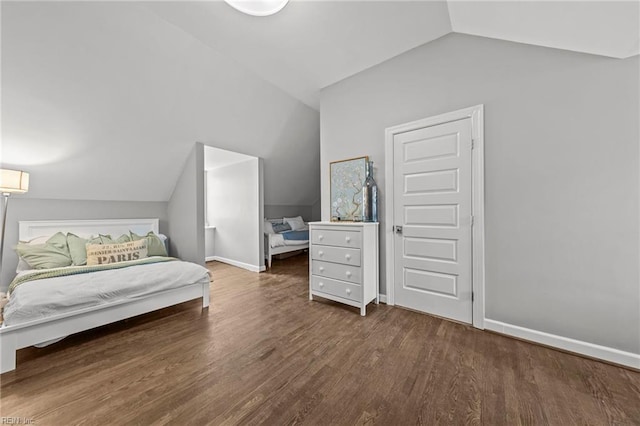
x=262 y=353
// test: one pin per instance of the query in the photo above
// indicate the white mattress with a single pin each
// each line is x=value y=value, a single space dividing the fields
x=277 y=240
x=43 y=298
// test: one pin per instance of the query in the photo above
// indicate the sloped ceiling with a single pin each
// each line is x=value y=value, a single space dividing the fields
x=215 y=158
x=104 y=100
x=607 y=28
x=311 y=44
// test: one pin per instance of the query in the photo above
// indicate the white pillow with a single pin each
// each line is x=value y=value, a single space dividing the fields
x=165 y=242
x=22 y=265
x=36 y=240
x=268 y=227
x=296 y=223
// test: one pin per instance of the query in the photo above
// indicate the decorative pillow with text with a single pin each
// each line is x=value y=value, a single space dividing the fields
x=103 y=254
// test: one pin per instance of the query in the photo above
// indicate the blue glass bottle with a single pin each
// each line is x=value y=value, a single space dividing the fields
x=369 y=196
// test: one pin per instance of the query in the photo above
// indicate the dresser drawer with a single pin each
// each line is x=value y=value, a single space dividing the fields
x=347 y=256
x=336 y=238
x=337 y=288
x=339 y=272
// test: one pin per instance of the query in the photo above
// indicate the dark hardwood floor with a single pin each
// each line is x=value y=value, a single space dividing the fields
x=264 y=354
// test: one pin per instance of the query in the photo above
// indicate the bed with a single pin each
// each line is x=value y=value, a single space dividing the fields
x=51 y=308
x=275 y=243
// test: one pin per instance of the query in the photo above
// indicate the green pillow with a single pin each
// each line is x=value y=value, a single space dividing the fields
x=101 y=239
x=124 y=238
x=77 y=249
x=155 y=247
x=58 y=240
x=54 y=253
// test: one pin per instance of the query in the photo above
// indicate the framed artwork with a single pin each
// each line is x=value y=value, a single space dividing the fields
x=347 y=177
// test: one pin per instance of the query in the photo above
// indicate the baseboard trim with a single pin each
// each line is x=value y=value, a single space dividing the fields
x=571 y=345
x=247 y=266
x=382 y=298
x=209 y=258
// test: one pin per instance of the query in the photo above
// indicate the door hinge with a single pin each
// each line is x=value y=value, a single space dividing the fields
x=471 y=220
x=473 y=143
x=473 y=296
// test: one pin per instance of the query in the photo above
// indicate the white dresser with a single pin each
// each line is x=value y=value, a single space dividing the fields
x=343 y=262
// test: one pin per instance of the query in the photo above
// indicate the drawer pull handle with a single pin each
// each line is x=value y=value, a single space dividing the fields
x=348 y=274
x=321 y=269
x=320 y=253
x=348 y=291
x=347 y=256
x=321 y=284
x=348 y=239
x=320 y=237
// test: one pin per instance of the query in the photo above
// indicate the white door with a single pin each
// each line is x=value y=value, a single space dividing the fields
x=432 y=204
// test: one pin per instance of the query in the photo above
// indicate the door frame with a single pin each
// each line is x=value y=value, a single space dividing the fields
x=476 y=114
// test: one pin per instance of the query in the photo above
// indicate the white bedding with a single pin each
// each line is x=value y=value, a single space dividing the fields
x=277 y=240
x=43 y=298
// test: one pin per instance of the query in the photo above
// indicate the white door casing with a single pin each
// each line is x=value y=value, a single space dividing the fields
x=435 y=191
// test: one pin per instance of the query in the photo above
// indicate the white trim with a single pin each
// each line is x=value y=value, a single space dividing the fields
x=261 y=247
x=617 y=356
x=247 y=266
x=209 y=258
x=382 y=298
x=477 y=202
x=206 y=198
x=476 y=114
x=84 y=228
x=389 y=217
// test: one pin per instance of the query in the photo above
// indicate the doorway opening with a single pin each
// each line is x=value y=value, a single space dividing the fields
x=234 y=208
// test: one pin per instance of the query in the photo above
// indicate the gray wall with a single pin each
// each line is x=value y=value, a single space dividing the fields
x=316 y=210
x=233 y=194
x=278 y=212
x=23 y=208
x=140 y=103
x=185 y=210
x=562 y=172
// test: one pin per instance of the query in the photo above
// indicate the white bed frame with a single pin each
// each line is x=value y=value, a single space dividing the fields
x=269 y=252
x=20 y=336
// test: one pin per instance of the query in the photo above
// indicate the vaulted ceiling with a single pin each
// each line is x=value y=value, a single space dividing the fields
x=313 y=44
x=104 y=100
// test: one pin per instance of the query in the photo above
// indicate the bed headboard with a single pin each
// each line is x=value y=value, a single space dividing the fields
x=28 y=230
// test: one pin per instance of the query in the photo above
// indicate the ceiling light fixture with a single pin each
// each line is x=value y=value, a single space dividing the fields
x=258 y=7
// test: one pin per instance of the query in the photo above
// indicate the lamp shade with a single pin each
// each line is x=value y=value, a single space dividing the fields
x=13 y=181
x=258 y=7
